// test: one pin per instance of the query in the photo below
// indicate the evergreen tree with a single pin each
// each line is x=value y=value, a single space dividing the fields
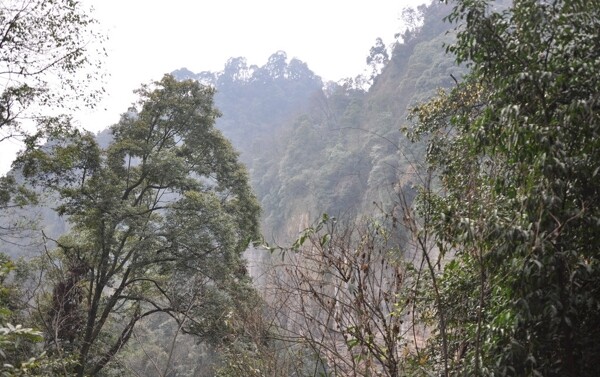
x=517 y=152
x=160 y=219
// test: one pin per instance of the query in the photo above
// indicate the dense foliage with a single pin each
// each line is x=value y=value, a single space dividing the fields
x=491 y=270
x=159 y=221
x=516 y=148
x=45 y=49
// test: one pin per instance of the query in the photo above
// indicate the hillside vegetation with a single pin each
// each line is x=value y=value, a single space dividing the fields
x=435 y=216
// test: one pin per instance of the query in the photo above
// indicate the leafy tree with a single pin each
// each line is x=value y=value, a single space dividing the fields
x=516 y=149
x=42 y=45
x=160 y=219
x=12 y=337
x=378 y=58
x=44 y=53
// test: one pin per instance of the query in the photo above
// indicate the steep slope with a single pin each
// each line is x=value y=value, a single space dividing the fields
x=256 y=102
x=315 y=147
x=347 y=151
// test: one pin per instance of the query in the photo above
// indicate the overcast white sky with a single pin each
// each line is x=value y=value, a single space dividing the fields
x=148 y=38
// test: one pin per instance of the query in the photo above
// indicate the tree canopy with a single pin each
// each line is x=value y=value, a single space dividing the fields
x=43 y=45
x=516 y=149
x=159 y=221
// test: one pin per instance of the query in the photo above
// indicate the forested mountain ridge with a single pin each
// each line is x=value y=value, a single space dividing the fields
x=310 y=147
x=255 y=101
x=313 y=147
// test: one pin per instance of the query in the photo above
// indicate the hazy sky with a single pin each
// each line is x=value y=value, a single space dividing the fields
x=150 y=38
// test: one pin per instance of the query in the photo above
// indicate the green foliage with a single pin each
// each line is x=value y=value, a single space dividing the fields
x=43 y=45
x=159 y=221
x=516 y=149
x=11 y=336
x=20 y=346
x=346 y=151
x=46 y=49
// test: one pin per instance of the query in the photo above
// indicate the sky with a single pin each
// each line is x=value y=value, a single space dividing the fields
x=148 y=38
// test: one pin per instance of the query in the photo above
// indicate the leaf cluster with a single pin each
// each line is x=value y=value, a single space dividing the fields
x=514 y=146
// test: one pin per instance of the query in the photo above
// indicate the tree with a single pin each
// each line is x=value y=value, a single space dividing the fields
x=45 y=49
x=14 y=339
x=378 y=58
x=43 y=44
x=160 y=219
x=516 y=151
x=12 y=198
x=20 y=349
x=347 y=292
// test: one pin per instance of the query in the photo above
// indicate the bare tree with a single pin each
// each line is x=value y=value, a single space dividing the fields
x=347 y=295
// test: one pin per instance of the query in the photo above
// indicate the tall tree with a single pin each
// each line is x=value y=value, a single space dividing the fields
x=378 y=58
x=160 y=219
x=517 y=151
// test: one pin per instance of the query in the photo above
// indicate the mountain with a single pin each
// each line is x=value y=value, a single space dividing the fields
x=468 y=278
x=313 y=147
x=256 y=101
